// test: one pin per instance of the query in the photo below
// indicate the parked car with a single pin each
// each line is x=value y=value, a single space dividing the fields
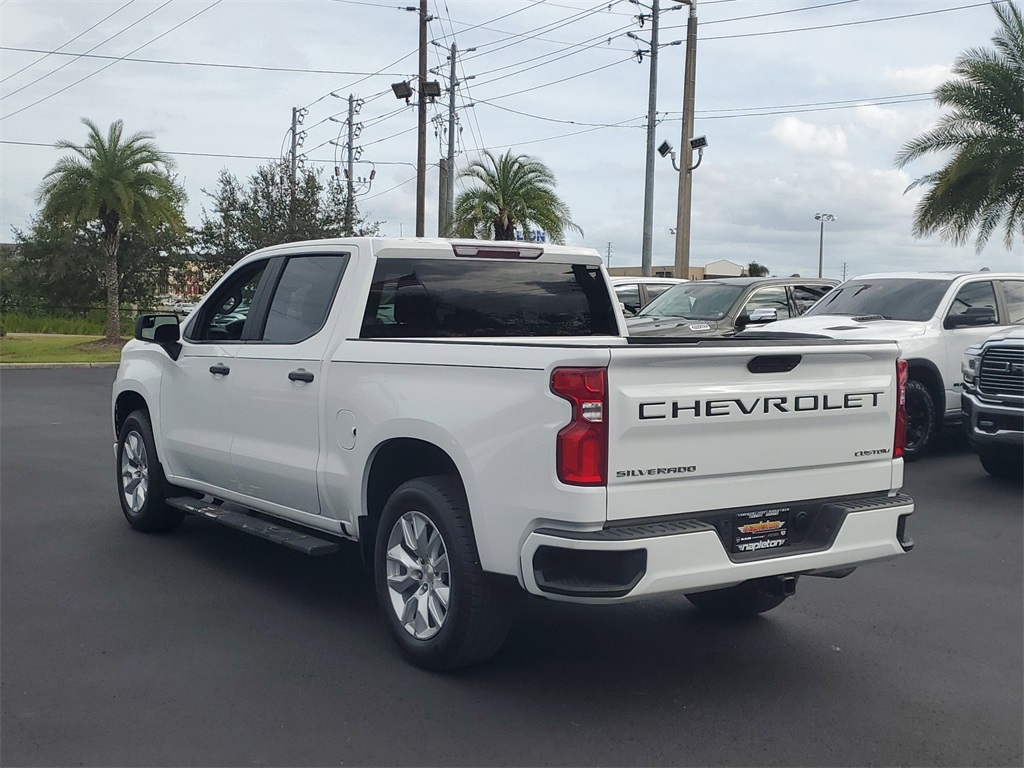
x=473 y=415
x=993 y=402
x=935 y=317
x=725 y=306
x=635 y=293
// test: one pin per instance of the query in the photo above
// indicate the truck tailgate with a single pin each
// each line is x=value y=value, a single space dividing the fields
x=719 y=425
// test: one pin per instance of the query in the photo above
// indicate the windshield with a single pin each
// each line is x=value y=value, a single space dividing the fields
x=694 y=301
x=892 y=298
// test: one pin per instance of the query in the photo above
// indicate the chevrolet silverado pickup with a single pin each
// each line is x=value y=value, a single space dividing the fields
x=476 y=417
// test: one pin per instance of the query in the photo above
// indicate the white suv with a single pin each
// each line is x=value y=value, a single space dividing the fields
x=934 y=316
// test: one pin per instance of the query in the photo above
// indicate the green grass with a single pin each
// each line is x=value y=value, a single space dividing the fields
x=19 y=322
x=54 y=349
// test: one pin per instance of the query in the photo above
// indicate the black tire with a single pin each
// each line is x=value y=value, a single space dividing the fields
x=1002 y=462
x=743 y=601
x=478 y=605
x=136 y=454
x=922 y=420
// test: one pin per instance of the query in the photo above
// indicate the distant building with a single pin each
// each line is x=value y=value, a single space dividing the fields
x=722 y=268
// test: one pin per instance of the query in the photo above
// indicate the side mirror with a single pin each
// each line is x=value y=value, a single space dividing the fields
x=972 y=316
x=162 y=329
x=764 y=315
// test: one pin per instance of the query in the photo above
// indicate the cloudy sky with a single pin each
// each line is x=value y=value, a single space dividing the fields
x=804 y=103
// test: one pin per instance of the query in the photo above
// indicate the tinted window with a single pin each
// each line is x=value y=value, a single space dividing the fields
x=224 y=315
x=695 y=301
x=424 y=298
x=629 y=295
x=1013 y=295
x=772 y=297
x=973 y=295
x=654 y=290
x=303 y=297
x=804 y=296
x=892 y=298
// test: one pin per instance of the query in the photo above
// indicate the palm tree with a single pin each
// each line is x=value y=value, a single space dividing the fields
x=517 y=192
x=124 y=183
x=982 y=183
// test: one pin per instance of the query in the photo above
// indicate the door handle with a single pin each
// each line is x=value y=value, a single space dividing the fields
x=220 y=368
x=301 y=375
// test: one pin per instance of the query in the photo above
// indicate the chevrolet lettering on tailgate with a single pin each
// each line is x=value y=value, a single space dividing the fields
x=737 y=406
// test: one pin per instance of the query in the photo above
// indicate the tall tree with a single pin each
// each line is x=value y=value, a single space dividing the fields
x=515 y=191
x=982 y=183
x=258 y=213
x=757 y=270
x=124 y=184
x=61 y=271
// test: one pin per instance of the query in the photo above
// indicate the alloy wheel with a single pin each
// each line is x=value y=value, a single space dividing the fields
x=134 y=471
x=418 y=577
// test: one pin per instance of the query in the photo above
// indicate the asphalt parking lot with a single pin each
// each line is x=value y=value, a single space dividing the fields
x=208 y=647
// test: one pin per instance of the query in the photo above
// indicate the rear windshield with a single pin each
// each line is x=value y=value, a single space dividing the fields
x=431 y=298
x=695 y=301
x=892 y=298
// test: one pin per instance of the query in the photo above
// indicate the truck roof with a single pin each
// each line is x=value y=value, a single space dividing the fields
x=398 y=247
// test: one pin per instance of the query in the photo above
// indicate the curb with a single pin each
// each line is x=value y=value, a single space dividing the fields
x=37 y=366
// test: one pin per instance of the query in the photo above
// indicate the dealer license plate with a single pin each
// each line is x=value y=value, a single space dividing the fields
x=761 y=530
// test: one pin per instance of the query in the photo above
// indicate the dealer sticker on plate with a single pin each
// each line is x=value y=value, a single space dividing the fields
x=760 y=530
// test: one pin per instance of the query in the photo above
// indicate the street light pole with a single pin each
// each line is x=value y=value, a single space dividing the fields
x=822 y=218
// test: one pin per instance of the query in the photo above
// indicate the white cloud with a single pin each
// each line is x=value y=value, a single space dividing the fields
x=917 y=79
x=805 y=138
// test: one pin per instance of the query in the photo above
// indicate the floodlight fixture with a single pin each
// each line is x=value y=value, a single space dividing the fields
x=402 y=90
x=664 y=148
x=431 y=89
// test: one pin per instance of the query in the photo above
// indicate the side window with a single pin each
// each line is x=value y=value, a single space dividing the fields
x=303 y=297
x=654 y=290
x=804 y=296
x=972 y=296
x=772 y=297
x=629 y=296
x=224 y=315
x=1013 y=296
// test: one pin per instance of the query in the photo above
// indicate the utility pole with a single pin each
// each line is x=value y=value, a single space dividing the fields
x=448 y=169
x=844 y=270
x=608 y=253
x=350 y=169
x=294 y=168
x=652 y=106
x=682 y=261
x=421 y=138
x=442 y=197
x=449 y=190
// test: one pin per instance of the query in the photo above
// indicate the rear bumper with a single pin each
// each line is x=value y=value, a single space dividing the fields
x=688 y=555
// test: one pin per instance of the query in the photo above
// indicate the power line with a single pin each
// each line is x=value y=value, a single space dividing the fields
x=178 y=63
x=847 y=23
x=91 y=74
x=103 y=42
x=780 y=13
x=69 y=42
x=564 y=122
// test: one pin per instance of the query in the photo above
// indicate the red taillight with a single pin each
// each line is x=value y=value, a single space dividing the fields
x=900 y=436
x=582 y=446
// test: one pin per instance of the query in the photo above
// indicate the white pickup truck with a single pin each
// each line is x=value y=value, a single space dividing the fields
x=476 y=417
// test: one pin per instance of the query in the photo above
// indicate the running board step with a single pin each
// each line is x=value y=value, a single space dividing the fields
x=233 y=518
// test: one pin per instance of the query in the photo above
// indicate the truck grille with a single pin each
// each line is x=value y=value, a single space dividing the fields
x=1002 y=372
